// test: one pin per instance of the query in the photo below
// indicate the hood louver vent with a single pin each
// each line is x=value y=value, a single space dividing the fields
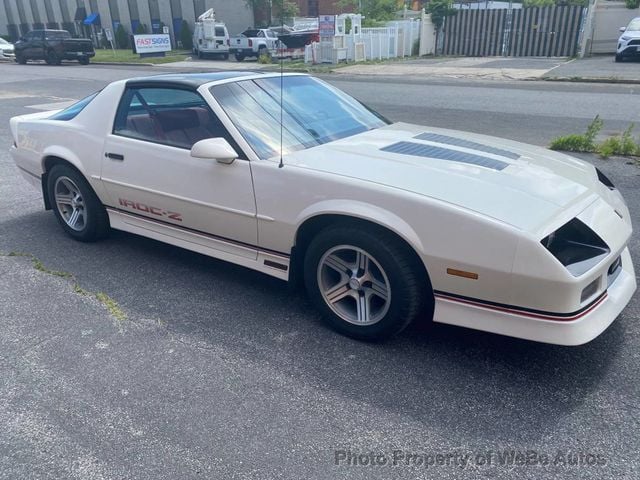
x=458 y=142
x=430 y=151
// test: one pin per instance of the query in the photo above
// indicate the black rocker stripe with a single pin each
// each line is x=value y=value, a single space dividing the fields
x=521 y=310
x=29 y=173
x=200 y=232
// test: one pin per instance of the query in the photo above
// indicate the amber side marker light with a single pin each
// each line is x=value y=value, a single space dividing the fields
x=462 y=273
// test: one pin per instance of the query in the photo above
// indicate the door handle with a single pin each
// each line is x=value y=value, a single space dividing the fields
x=114 y=156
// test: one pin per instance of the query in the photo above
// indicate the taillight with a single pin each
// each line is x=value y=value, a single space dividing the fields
x=228 y=42
x=250 y=43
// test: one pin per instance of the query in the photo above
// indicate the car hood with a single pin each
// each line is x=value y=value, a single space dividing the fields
x=631 y=34
x=519 y=184
x=6 y=48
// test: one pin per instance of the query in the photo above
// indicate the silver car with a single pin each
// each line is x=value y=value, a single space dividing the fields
x=6 y=50
x=629 y=42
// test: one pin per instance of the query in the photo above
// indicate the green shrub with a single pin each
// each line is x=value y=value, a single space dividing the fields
x=623 y=145
x=579 y=143
x=186 y=36
x=141 y=29
x=611 y=146
x=592 y=130
x=628 y=145
x=122 y=37
x=571 y=143
x=264 y=59
x=632 y=4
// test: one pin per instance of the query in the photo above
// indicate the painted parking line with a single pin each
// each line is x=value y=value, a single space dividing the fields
x=52 y=106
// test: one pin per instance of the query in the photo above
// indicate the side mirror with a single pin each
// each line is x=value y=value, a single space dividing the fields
x=622 y=29
x=214 y=149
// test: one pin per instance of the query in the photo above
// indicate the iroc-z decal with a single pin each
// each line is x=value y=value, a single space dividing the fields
x=149 y=209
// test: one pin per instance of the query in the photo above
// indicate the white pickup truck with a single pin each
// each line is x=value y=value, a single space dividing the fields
x=254 y=42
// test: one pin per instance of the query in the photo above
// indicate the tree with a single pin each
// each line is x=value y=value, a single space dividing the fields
x=538 y=3
x=186 y=36
x=141 y=29
x=439 y=10
x=373 y=11
x=122 y=37
x=274 y=8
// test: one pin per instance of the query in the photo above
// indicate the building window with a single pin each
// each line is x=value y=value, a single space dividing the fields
x=312 y=6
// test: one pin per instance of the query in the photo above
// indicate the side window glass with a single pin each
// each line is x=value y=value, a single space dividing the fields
x=261 y=34
x=169 y=116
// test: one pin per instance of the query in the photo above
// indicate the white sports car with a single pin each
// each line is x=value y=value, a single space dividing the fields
x=383 y=223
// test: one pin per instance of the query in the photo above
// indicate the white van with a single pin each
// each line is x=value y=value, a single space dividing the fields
x=210 y=37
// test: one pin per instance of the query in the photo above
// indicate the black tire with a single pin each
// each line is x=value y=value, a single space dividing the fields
x=225 y=56
x=95 y=219
x=21 y=59
x=239 y=57
x=84 y=60
x=200 y=55
x=409 y=291
x=52 y=58
x=618 y=58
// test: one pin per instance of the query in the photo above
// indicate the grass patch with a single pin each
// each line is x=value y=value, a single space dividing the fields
x=112 y=306
x=624 y=144
x=109 y=303
x=127 y=56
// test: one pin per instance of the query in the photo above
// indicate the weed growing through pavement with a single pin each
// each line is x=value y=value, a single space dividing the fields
x=109 y=303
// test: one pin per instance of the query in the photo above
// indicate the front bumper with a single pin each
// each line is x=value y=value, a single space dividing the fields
x=77 y=55
x=629 y=51
x=579 y=330
x=7 y=55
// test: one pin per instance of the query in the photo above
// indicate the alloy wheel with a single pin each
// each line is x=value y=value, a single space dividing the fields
x=70 y=203
x=354 y=285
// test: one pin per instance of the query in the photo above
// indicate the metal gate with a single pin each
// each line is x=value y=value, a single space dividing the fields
x=534 y=31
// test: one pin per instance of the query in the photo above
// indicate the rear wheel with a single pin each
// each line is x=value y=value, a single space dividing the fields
x=200 y=55
x=75 y=204
x=21 y=59
x=84 y=60
x=52 y=58
x=364 y=281
x=225 y=56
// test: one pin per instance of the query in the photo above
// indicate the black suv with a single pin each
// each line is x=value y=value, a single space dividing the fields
x=53 y=46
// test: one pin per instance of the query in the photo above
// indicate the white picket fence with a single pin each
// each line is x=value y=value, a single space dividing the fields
x=393 y=41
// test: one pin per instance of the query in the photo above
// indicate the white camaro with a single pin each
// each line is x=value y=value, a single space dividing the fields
x=382 y=222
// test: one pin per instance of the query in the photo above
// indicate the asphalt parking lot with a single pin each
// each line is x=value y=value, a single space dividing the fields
x=208 y=370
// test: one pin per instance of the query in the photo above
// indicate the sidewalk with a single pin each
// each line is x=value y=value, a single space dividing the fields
x=601 y=68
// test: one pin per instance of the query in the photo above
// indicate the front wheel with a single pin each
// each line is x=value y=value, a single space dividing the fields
x=239 y=57
x=225 y=56
x=84 y=61
x=75 y=204
x=618 y=57
x=21 y=59
x=364 y=281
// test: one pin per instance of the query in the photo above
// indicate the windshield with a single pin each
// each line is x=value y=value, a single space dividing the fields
x=634 y=25
x=56 y=35
x=313 y=113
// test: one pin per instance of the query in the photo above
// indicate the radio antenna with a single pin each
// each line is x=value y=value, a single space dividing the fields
x=281 y=52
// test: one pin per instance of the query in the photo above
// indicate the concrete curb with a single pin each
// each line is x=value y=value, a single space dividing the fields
x=125 y=64
x=622 y=81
